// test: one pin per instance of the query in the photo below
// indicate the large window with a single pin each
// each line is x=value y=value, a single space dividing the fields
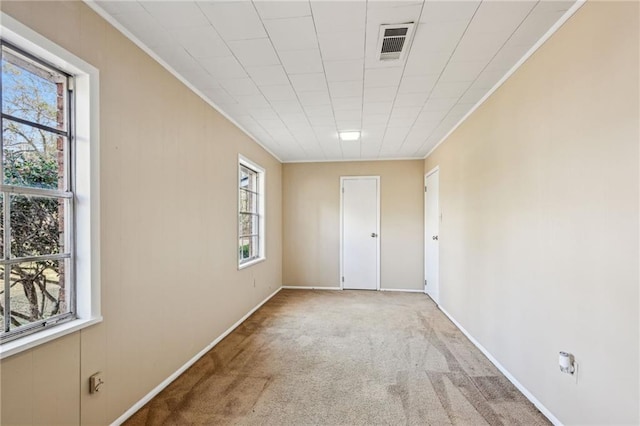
x=36 y=194
x=250 y=213
x=49 y=190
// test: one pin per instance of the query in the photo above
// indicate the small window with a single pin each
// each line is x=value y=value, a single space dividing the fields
x=36 y=195
x=250 y=213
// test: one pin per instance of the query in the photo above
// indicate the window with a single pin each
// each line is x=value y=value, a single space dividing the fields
x=49 y=238
x=250 y=213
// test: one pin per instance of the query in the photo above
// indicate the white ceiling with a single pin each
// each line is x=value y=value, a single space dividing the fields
x=294 y=73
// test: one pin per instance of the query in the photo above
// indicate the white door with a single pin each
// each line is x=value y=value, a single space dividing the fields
x=360 y=229
x=431 y=235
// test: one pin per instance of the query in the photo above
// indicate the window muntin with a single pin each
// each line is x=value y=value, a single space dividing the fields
x=36 y=266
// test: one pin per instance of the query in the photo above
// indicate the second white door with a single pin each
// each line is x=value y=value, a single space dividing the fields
x=431 y=235
x=360 y=233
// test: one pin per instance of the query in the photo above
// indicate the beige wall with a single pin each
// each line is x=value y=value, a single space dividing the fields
x=539 y=236
x=311 y=222
x=170 y=283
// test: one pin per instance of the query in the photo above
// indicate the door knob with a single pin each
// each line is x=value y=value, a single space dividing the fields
x=373 y=235
x=435 y=237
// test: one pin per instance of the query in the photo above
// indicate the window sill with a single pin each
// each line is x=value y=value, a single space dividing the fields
x=31 y=341
x=251 y=263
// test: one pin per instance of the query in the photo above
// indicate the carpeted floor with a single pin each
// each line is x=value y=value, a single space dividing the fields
x=342 y=358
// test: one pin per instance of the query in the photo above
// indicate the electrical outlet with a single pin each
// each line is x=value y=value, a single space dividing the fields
x=95 y=382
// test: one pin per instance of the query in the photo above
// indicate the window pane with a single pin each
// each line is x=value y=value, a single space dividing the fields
x=244 y=248
x=248 y=202
x=37 y=226
x=1 y=226
x=33 y=92
x=247 y=225
x=255 y=247
x=32 y=157
x=248 y=179
x=38 y=291
x=2 y=324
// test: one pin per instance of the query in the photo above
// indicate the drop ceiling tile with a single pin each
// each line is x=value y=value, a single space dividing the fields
x=500 y=17
x=235 y=20
x=426 y=64
x=287 y=107
x=473 y=95
x=201 y=42
x=506 y=58
x=223 y=68
x=448 y=11
x=115 y=8
x=382 y=77
x=394 y=136
x=369 y=120
x=255 y=52
x=431 y=116
x=345 y=89
x=322 y=121
x=314 y=98
x=462 y=71
x=378 y=107
x=443 y=104
x=379 y=94
x=437 y=37
x=347 y=104
x=292 y=33
x=535 y=26
x=478 y=47
x=262 y=113
x=200 y=79
x=339 y=16
x=401 y=122
x=294 y=118
x=341 y=46
x=308 y=82
x=282 y=92
x=345 y=115
x=172 y=15
x=255 y=101
x=344 y=70
x=268 y=75
x=240 y=86
x=488 y=78
x=282 y=9
x=411 y=99
x=348 y=125
x=318 y=110
x=178 y=58
x=450 y=90
x=301 y=61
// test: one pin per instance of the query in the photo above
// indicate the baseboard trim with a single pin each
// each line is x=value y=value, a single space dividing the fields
x=544 y=410
x=299 y=287
x=402 y=290
x=148 y=397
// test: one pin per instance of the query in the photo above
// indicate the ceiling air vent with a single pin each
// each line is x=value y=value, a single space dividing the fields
x=394 y=41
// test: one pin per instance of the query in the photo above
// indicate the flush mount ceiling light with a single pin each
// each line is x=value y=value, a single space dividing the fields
x=349 y=136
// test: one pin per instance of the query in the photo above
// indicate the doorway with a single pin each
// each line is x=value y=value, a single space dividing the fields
x=360 y=232
x=432 y=234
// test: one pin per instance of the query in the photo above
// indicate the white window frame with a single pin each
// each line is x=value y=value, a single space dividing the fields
x=261 y=198
x=87 y=182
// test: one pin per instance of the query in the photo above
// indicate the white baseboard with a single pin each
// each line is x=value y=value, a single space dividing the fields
x=148 y=397
x=544 y=410
x=402 y=290
x=298 y=287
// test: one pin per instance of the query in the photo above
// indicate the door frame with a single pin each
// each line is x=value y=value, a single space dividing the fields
x=424 y=205
x=342 y=179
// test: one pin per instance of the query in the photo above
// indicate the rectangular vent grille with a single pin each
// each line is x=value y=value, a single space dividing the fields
x=394 y=41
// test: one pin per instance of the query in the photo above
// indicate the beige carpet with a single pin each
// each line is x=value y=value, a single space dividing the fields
x=342 y=358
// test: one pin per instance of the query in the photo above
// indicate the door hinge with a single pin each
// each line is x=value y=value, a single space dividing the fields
x=343 y=189
x=342 y=279
x=425 y=189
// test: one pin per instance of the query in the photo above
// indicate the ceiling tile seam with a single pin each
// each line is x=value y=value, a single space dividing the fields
x=555 y=27
x=364 y=64
x=485 y=67
x=292 y=88
x=438 y=79
x=324 y=72
x=243 y=67
x=135 y=40
x=274 y=139
x=404 y=66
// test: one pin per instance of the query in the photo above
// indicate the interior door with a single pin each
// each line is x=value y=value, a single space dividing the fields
x=431 y=235
x=360 y=229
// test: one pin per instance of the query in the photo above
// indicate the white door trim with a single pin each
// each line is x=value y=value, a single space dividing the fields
x=342 y=179
x=424 y=205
